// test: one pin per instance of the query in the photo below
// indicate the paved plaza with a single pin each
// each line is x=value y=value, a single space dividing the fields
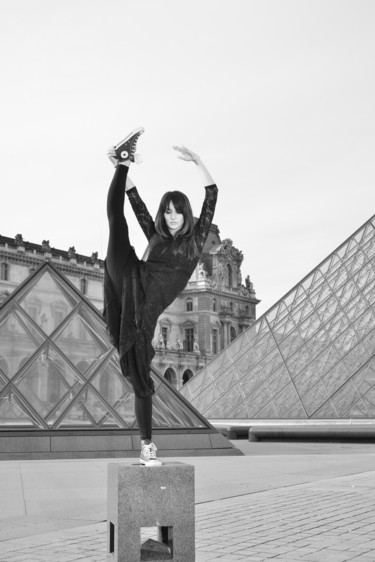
x=281 y=501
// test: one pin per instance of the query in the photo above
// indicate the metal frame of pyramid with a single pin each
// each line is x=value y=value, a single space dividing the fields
x=309 y=357
x=61 y=388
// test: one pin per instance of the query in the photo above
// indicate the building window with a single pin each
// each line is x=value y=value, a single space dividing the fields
x=230 y=275
x=233 y=334
x=83 y=286
x=3 y=296
x=188 y=374
x=189 y=305
x=231 y=306
x=189 y=339
x=214 y=341
x=4 y=272
x=164 y=335
x=171 y=377
x=59 y=316
x=214 y=304
x=33 y=311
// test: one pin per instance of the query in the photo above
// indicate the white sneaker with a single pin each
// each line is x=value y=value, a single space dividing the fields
x=148 y=455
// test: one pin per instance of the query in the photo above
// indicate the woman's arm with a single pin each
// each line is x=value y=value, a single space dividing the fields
x=144 y=218
x=190 y=156
x=202 y=226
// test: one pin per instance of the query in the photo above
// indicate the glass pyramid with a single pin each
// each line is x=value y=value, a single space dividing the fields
x=58 y=369
x=312 y=355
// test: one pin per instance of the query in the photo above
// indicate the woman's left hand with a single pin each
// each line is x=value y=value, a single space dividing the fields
x=112 y=155
x=187 y=154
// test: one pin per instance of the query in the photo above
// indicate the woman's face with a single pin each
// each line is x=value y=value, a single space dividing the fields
x=173 y=219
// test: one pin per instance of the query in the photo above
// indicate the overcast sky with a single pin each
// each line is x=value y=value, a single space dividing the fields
x=277 y=97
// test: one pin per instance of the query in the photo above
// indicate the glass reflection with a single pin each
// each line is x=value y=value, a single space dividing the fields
x=46 y=304
x=324 y=334
x=65 y=373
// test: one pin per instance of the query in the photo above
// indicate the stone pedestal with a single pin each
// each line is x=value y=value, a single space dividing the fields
x=141 y=497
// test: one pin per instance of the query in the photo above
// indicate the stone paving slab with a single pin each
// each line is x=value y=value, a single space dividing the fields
x=330 y=520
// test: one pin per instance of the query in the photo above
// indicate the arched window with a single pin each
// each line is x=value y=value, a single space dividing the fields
x=83 y=365
x=171 y=377
x=233 y=334
x=187 y=376
x=4 y=272
x=214 y=305
x=230 y=275
x=231 y=306
x=189 y=305
x=3 y=296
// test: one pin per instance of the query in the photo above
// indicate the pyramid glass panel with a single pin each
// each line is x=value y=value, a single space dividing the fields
x=3 y=381
x=109 y=384
x=80 y=344
x=58 y=414
x=328 y=309
x=18 y=341
x=13 y=412
x=94 y=406
x=364 y=379
x=369 y=292
x=41 y=383
x=126 y=409
x=335 y=378
x=58 y=369
x=173 y=413
x=364 y=276
x=49 y=384
x=314 y=398
x=321 y=361
x=77 y=416
x=46 y=303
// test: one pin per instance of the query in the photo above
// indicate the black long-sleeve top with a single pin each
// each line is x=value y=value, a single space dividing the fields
x=167 y=272
x=148 y=287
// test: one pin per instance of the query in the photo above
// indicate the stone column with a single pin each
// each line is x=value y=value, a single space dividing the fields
x=141 y=497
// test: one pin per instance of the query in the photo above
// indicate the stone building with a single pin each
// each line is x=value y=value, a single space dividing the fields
x=19 y=258
x=210 y=313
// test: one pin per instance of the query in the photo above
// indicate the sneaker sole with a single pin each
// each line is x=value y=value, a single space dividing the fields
x=151 y=463
x=140 y=130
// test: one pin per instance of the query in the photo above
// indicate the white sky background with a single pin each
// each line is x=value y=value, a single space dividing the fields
x=277 y=97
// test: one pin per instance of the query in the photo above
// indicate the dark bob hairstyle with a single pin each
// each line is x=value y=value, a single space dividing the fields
x=185 y=236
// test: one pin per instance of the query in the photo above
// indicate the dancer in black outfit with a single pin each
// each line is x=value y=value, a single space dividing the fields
x=137 y=291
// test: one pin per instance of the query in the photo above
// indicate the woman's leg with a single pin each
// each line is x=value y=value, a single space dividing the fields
x=118 y=258
x=118 y=242
x=143 y=412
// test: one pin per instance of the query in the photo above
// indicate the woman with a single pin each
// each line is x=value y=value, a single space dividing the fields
x=137 y=291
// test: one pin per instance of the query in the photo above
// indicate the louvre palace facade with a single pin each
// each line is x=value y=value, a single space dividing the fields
x=212 y=311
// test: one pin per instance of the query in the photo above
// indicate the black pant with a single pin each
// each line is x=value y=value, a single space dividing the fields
x=120 y=257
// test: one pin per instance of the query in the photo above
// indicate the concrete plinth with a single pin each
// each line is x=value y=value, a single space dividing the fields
x=140 y=497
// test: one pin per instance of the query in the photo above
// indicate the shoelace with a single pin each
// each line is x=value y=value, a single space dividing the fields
x=151 y=449
x=133 y=145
